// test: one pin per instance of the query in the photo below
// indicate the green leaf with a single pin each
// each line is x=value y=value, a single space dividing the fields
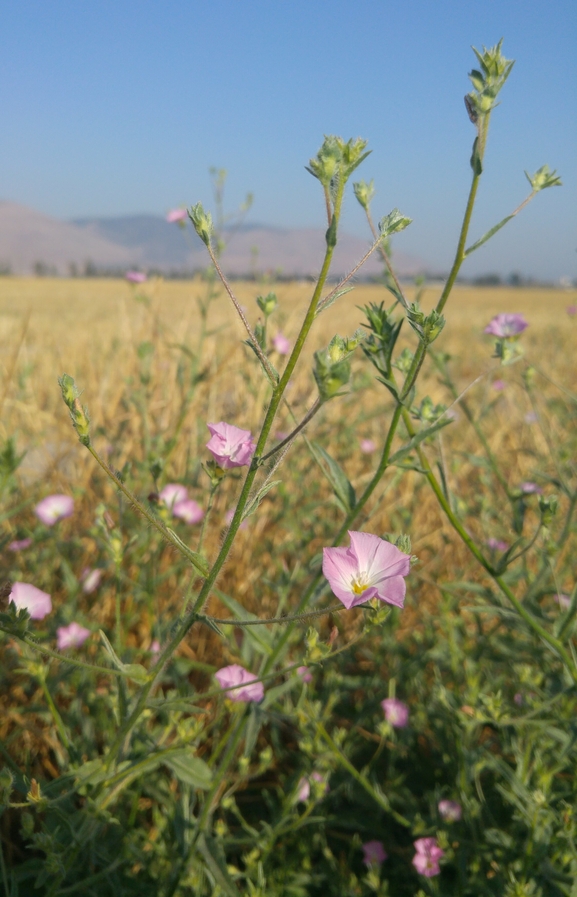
x=331 y=234
x=215 y=859
x=488 y=235
x=393 y=223
x=189 y=769
x=255 y=502
x=476 y=163
x=418 y=438
x=259 y=636
x=336 y=477
x=198 y=560
x=136 y=672
x=110 y=651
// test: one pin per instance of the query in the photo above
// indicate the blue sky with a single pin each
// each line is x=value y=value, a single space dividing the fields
x=114 y=107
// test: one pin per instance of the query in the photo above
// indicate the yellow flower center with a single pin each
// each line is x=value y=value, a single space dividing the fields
x=359 y=585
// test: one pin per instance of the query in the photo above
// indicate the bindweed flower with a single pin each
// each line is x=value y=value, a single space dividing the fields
x=304 y=790
x=571 y=310
x=135 y=277
x=91 y=580
x=374 y=853
x=564 y=601
x=281 y=344
x=506 y=326
x=304 y=786
x=518 y=699
x=497 y=544
x=176 y=216
x=450 y=810
x=368 y=446
x=19 y=544
x=426 y=859
x=54 y=508
x=531 y=418
x=71 y=636
x=235 y=675
x=396 y=712
x=172 y=494
x=305 y=674
x=229 y=445
x=370 y=568
x=499 y=385
x=37 y=603
x=529 y=488
x=154 y=646
x=188 y=510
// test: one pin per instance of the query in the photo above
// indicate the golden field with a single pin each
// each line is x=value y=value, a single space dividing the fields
x=91 y=329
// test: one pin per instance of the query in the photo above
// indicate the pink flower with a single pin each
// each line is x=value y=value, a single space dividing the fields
x=304 y=790
x=54 y=508
x=506 y=325
x=19 y=544
x=571 y=310
x=135 y=277
x=172 y=494
x=305 y=674
x=396 y=712
x=235 y=675
x=564 y=601
x=426 y=859
x=498 y=385
x=71 y=636
x=90 y=580
x=229 y=445
x=176 y=216
x=519 y=699
x=367 y=448
x=370 y=567
x=531 y=488
x=281 y=344
x=497 y=544
x=530 y=417
x=37 y=603
x=374 y=853
x=450 y=810
x=154 y=646
x=188 y=510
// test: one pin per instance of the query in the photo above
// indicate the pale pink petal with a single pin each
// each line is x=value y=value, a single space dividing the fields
x=281 y=344
x=374 y=853
x=232 y=676
x=392 y=590
x=450 y=810
x=19 y=544
x=37 y=603
x=91 y=580
x=173 y=493
x=176 y=215
x=135 y=277
x=230 y=446
x=54 y=508
x=71 y=636
x=188 y=510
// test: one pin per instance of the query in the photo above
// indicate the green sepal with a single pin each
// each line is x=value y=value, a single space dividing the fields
x=331 y=234
x=476 y=163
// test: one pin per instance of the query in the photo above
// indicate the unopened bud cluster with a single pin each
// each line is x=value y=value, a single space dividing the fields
x=332 y=369
x=202 y=222
x=494 y=71
x=428 y=326
x=78 y=412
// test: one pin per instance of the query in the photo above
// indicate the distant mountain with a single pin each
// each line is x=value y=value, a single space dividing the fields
x=32 y=242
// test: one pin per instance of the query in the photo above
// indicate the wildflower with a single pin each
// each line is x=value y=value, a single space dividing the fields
x=37 y=603
x=367 y=446
x=531 y=418
x=564 y=601
x=519 y=699
x=529 y=488
x=229 y=445
x=54 y=508
x=176 y=216
x=370 y=568
x=374 y=853
x=506 y=325
x=304 y=790
x=188 y=510
x=154 y=646
x=19 y=544
x=571 y=310
x=426 y=859
x=499 y=385
x=71 y=636
x=281 y=344
x=90 y=579
x=396 y=712
x=172 y=494
x=135 y=277
x=304 y=786
x=235 y=675
x=497 y=544
x=305 y=674
x=450 y=810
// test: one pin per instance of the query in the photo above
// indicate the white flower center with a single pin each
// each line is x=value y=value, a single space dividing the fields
x=359 y=583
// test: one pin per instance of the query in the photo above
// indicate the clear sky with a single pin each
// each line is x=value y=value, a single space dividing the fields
x=113 y=107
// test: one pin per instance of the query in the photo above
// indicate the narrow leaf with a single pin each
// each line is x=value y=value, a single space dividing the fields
x=216 y=861
x=189 y=769
x=418 y=438
x=336 y=476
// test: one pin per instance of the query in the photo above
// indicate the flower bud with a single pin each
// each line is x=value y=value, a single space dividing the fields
x=267 y=304
x=202 y=222
x=364 y=193
x=543 y=178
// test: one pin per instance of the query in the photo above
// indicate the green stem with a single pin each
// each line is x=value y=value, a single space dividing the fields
x=378 y=797
x=29 y=640
x=55 y=714
x=206 y=516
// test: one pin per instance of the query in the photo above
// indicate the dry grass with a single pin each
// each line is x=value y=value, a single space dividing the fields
x=91 y=329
